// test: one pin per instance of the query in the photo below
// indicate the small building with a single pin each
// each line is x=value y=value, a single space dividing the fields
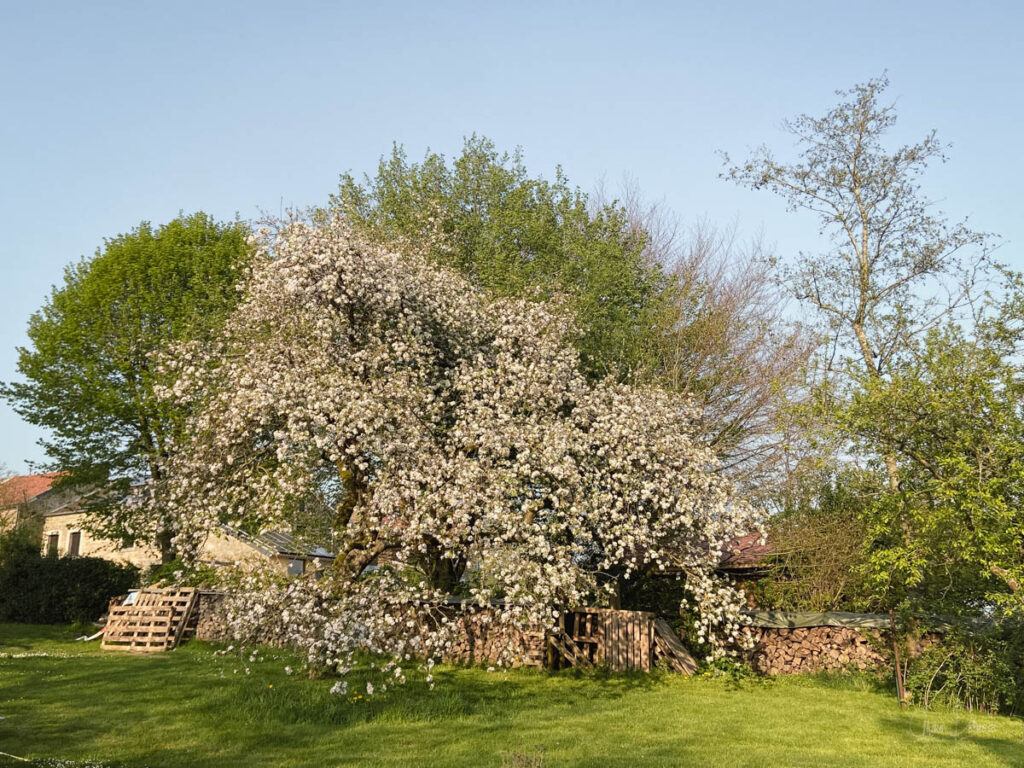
x=65 y=532
x=289 y=554
x=746 y=557
x=24 y=496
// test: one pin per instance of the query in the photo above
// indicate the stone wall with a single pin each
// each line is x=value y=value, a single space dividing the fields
x=816 y=649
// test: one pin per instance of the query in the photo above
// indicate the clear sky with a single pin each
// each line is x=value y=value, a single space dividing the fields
x=113 y=113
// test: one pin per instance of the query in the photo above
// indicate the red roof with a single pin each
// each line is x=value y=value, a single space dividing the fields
x=745 y=552
x=23 y=488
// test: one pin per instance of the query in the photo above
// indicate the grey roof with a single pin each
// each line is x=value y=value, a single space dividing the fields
x=277 y=543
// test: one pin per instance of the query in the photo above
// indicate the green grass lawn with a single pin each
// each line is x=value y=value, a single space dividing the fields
x=190 y=707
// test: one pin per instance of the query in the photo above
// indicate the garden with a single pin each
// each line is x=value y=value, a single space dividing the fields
x=457 y=404
x=69 y=701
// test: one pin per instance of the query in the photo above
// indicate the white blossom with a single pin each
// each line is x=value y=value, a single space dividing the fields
x=442 y=429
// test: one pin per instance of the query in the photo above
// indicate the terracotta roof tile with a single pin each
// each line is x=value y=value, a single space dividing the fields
x=23 y=488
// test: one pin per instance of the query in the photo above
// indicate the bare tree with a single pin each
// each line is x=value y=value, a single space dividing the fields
x=894 y=266
x=725 y=337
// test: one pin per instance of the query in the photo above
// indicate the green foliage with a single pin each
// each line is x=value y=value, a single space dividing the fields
x=177 y=571
x=731 y=669
x=52 y=590
x=948 y=540
x=933 y=409
x=817 y=562
x=483 y=214
x=88 y=372
x=19 y=542
x=974 y=670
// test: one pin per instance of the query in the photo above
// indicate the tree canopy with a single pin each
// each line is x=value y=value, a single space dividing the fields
x=484 y=215
x=921 y=369
x=440 y=427
x=695 y=313
x=895 y=265
x=951 y=536
x=88 y=373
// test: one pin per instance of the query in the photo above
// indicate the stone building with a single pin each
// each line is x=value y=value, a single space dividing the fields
x=65 y=532
x=25 y=496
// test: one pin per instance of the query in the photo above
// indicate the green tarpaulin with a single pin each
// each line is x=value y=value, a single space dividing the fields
x=788 y=619
x=783 y=619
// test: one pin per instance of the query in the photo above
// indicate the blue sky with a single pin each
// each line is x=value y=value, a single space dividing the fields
x=115 y=113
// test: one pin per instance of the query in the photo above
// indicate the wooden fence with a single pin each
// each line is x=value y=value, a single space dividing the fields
x=620 y=640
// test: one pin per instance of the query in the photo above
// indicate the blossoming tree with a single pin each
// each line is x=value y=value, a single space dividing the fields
x=452 y=439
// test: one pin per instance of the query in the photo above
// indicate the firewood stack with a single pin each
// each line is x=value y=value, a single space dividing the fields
x=815 y=649
x=483 y=642
x=212 y=624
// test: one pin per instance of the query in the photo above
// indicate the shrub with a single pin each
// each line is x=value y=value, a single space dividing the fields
x=178 y=571
x=979 y=670
x=56 y=590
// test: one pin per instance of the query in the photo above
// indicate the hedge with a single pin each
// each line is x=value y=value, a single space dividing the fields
x=55 y=590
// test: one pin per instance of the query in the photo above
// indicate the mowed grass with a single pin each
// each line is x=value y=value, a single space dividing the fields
x=192 y=707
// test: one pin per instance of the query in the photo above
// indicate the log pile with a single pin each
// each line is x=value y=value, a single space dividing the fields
x=815 y=649
x=212 y=623
x=483 y=642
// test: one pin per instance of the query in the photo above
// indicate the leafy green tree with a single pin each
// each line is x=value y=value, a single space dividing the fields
x=817 y=540
x=88 y=373
x=894 y=270
x=950 y=538
x=517 y=235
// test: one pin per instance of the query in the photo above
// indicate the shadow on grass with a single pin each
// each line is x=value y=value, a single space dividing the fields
x=144 y=708
x=952 y=729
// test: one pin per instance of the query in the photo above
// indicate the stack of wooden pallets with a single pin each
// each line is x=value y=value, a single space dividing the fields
x=156 y=620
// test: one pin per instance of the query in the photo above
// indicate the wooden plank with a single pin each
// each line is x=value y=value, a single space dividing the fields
x=185 y=616
x=649 y=644
x=623 y=642
x=154 y=622
x=634 y=643
x=617 y=642
x=672 y=649
x=606 y=658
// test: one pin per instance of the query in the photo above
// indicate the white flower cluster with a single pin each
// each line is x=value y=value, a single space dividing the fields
x=444 y=430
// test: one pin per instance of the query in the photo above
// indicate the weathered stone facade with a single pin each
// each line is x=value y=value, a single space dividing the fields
x=65 y=533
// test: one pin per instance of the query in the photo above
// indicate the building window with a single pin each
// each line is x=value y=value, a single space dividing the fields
x=296 y=566
x=75 y=544
x=52 y=542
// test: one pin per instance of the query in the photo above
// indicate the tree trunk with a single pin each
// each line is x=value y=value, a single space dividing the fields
x=901 y=691
x=163 y=540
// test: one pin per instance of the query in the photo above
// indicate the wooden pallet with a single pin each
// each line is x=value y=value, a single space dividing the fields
x=564 y=645
x=587 y=637
x=156 y=621
x=668 y=646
